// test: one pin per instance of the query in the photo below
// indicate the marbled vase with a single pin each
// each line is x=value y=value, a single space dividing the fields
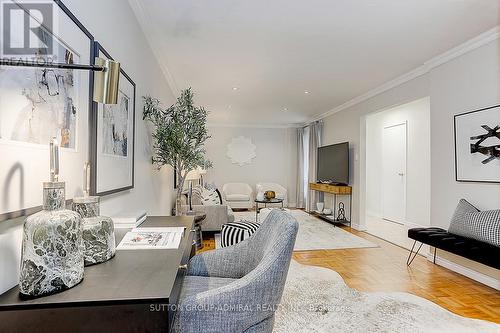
x=98 y=231
x=52 y=249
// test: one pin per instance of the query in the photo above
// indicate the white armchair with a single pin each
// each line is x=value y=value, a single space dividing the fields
x=281 y=192
x=238 y=195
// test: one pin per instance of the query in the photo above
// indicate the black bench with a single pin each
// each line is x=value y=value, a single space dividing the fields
x=475 y=250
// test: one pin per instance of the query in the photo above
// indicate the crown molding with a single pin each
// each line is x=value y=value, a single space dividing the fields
x=468 y=46
x=159 y=51
x=263 y=125
x=156 y=45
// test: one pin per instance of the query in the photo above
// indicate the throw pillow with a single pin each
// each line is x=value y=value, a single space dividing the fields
x=458 y=225
x=210 y=198
x=220 y=195
x=484 y=226
x=210 y=186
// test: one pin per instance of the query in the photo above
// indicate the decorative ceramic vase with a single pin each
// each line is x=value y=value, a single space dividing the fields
x=320 y=206
x=260 y=196
x=269 y=195
x=52 y=251
x=98 y=231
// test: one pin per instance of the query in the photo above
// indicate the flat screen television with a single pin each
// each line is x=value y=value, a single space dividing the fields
x=333 y=164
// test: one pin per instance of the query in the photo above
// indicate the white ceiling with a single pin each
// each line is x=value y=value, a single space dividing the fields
x=273 y=51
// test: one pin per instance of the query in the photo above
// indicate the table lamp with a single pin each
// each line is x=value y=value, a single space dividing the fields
x=202 y=172
x=192 y=175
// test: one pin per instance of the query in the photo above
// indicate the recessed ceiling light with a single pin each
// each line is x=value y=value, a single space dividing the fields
x=235 y=88
x=306 y=92
x=229 y=106
x=285 y=109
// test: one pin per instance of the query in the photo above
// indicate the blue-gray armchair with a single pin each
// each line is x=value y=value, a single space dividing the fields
x=237 y=289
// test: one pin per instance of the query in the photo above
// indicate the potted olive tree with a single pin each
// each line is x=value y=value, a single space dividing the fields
x=179 y=136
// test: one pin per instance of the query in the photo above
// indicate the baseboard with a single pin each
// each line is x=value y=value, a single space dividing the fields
x=404 y=223
x=415 y=225
x=373 y=214
x=359 y=227
x=472 y=274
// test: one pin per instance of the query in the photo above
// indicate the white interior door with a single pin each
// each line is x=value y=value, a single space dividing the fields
x=394 y=173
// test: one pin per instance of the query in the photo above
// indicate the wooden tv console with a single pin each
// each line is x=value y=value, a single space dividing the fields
x=335 y=190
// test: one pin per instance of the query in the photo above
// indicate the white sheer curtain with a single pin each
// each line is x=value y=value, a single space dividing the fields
x=315 y=138
x=308 y=140
x=300 y=200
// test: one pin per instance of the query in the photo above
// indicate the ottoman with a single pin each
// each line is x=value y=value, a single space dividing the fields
x=235 y=232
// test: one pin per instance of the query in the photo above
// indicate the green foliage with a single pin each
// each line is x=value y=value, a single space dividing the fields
x=179 y=134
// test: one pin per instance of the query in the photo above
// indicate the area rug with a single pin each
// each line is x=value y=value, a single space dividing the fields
x=314 y=234
x=317 y=300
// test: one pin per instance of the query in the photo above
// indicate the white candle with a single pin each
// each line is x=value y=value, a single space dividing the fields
x=54 y=160
x=86 y=182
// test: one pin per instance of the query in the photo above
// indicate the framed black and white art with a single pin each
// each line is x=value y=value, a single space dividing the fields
x=37 y=104
x=477 y=145
x=112 y=138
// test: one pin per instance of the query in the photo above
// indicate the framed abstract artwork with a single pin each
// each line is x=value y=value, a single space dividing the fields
x=112 y=138
x=477 y=145
x=37 y=104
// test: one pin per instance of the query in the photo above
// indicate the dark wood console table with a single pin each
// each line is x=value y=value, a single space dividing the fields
x=132 y=292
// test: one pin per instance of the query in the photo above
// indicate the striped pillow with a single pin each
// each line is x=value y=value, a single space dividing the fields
x=484 y=226
x=210 y=197
x=235 y=232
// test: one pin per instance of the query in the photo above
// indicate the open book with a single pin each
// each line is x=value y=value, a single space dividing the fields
x=152 y=238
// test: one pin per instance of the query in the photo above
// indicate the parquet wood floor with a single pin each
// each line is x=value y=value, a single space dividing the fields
x=384 y=269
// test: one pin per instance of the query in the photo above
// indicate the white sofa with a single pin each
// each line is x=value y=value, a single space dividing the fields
x=281 y=192
x=238 y=195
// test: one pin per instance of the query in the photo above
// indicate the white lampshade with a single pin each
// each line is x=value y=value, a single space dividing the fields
x=193 y=175
x=202 y=171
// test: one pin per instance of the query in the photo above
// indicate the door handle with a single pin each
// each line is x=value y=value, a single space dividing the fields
x=401 y=174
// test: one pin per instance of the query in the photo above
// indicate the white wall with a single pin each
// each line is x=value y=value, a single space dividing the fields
x=418 y=173
x=349 y=125
x=276 y=159
x=418 y=170
x=114 y=25
x=468 y=82
x=464 y=84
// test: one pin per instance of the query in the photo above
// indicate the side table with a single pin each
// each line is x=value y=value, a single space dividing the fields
x=265 y=202
x=198 y=221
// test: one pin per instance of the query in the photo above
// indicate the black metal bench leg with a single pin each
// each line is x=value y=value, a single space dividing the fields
x=435 y=249
x=410 y=259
